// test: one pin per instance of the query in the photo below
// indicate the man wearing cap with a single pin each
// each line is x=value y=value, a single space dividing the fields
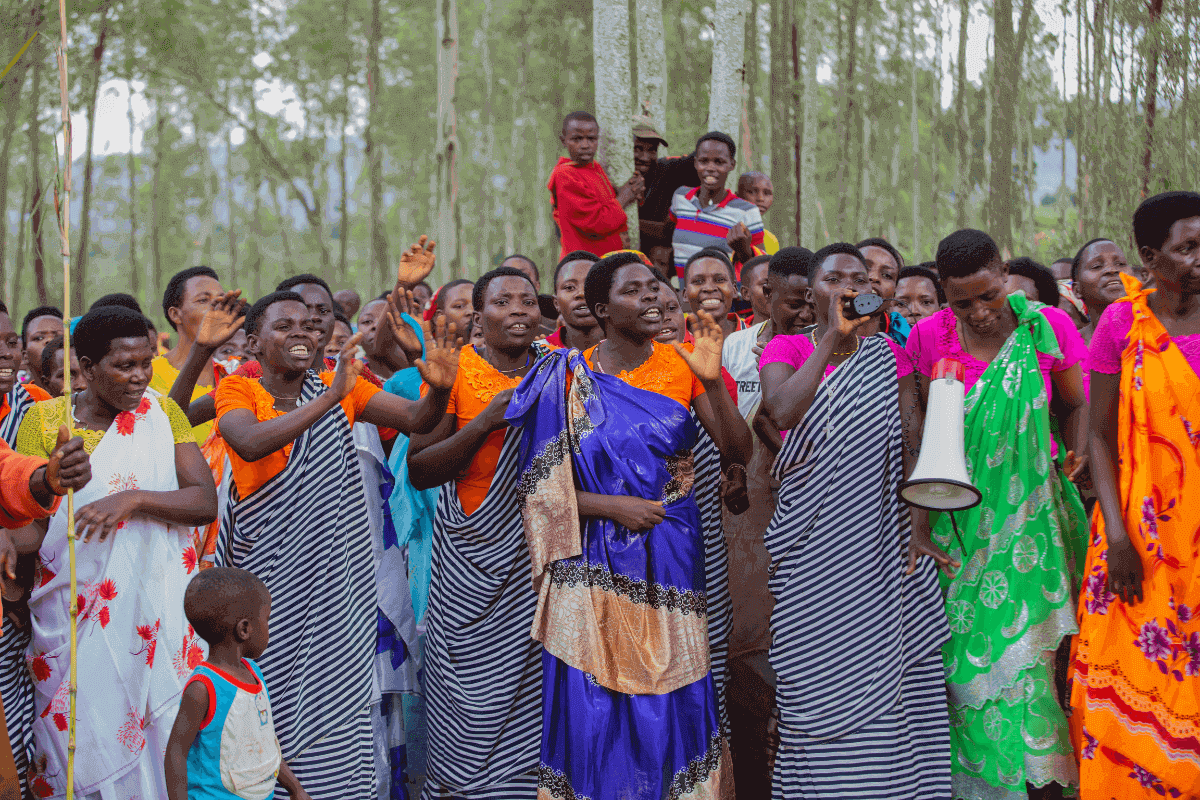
x=662 y=177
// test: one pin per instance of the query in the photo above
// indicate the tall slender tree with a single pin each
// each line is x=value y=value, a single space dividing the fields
x=447 y=139
x=79 y=282
x=610 y=57
x=728 y=67
x=652 y=63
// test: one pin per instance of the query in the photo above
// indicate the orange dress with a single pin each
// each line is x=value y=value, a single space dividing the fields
x=475 y=385
x=1136 y=684
x=236 y=392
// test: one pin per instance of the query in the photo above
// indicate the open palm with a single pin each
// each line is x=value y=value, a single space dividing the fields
x=222 y=320
x=416 y=263
x=440 y=365
x=705 y=360
x=401 y=302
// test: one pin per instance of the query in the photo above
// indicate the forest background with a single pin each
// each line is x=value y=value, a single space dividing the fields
x=270 y=137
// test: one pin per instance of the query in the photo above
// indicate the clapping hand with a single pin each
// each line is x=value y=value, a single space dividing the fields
x=705 y=360
x=416 y=263
x=222 y=320
x=440 y=365
x=400 y=302
x=740 y=242
x=348 y=369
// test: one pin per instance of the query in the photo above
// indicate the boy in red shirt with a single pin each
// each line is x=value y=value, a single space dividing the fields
x=588 y=211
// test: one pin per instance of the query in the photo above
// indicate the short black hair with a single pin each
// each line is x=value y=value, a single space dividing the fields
x=288 y=284
x=218 y=597
x=1153 y=219
x=754 y=263
x=964 y=253
x=256 y=312
x=486 y=279
x=37 y=313
x=52 y=347
x=928 y=274
x=748 y=177
x=3 y=307
x=537 y=273
x=710 y=252
x=173 y=294
x=579 y=116
x=789 y=261
x=574 y=255
x=338 y=316
x=723 y=138
x=879 y=241
x=439 y=301
x=1077 y=262
x=598 y=285
x=832 y=249
x=95 y=332
x=1043 y=279
x=118 y=299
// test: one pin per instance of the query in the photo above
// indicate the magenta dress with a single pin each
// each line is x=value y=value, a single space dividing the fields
x=1112 y=337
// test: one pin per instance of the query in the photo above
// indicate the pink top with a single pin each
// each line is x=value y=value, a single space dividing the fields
x=1112 y=337
x=935 y=337
x=794 y=350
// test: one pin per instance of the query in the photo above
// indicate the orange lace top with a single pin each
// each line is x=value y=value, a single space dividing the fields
x=664 y=372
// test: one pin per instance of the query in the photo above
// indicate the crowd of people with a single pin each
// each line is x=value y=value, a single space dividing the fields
x=640 y=536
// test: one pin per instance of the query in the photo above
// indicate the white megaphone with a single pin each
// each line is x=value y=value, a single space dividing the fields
x=940 y=481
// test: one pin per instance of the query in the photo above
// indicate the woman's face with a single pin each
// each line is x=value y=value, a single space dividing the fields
x=511 y=318
x=456 y=308
x=568 y=295
x=233 y=352
x=119 y=380
x=882 y=270
x=838 y=273
x=710 y=287
x=635 y=303
x=287 y=339
x=673 y=324
x=56 y=378
x=1099 y=282
x=978 y=300
x=341 y=333
x=791 y=303
x=1176 y=265
x=916 y=298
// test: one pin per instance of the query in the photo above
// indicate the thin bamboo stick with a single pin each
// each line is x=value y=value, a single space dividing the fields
x=64 y=233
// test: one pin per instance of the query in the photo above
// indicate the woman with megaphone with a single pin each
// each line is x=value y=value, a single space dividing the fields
x=856 y=644
x=1012 y=603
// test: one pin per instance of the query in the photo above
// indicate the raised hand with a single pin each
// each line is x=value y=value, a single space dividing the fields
x=440 y=365
x=705 y=360
x=222 y=320
x=740 y=242
x=348 y=369
x=69 y=466
x=400 y=301
x=416 y=263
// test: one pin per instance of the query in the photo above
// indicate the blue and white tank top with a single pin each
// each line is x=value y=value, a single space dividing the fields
x=236 y=753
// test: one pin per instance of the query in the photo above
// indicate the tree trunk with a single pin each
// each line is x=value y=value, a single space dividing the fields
x=862 y=166
x=36 y=56
x=752 y=134
x=135 y=282
x=962 y=130
x=728 y=67
x=487 y=201
x=79 y=279
x=156 y=210
x=231 y=230
x=1009 y=49
x=379 y=265
x=447 y=138
x=652 y=63
x=807 y=156
x=913 y=131
x=610 y=56
x=937 y=17
x=10 y=93
x=846 y=119
x=11 y=276
x=782 y=121
x=1155 y=36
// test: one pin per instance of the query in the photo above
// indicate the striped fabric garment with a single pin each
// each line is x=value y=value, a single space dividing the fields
x=16 y=691
x=697 y=228
x=707 y=492
x=856 y=641
x=483 y=670
x=19 y=402
x=305 y=533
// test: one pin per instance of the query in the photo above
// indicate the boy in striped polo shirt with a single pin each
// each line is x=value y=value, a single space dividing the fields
x=710 y=215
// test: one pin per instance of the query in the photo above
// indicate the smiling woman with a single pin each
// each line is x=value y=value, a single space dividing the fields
x=149 y=483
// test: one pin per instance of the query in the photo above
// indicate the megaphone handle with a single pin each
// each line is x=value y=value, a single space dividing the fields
x=958 y=535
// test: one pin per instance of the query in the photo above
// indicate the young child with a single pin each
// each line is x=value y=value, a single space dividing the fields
x=223 y=743
x=589 y=213
x=752 y=304
x=755 y=187
x=710 y=215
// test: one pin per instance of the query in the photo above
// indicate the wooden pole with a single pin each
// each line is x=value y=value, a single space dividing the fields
x=64 y=234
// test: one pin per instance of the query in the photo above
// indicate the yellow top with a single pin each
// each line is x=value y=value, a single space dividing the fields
x=770 y=243
x=39 y=430
x=164 y=379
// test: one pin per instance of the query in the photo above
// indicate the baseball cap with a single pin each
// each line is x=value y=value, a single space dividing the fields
x=643 y=128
